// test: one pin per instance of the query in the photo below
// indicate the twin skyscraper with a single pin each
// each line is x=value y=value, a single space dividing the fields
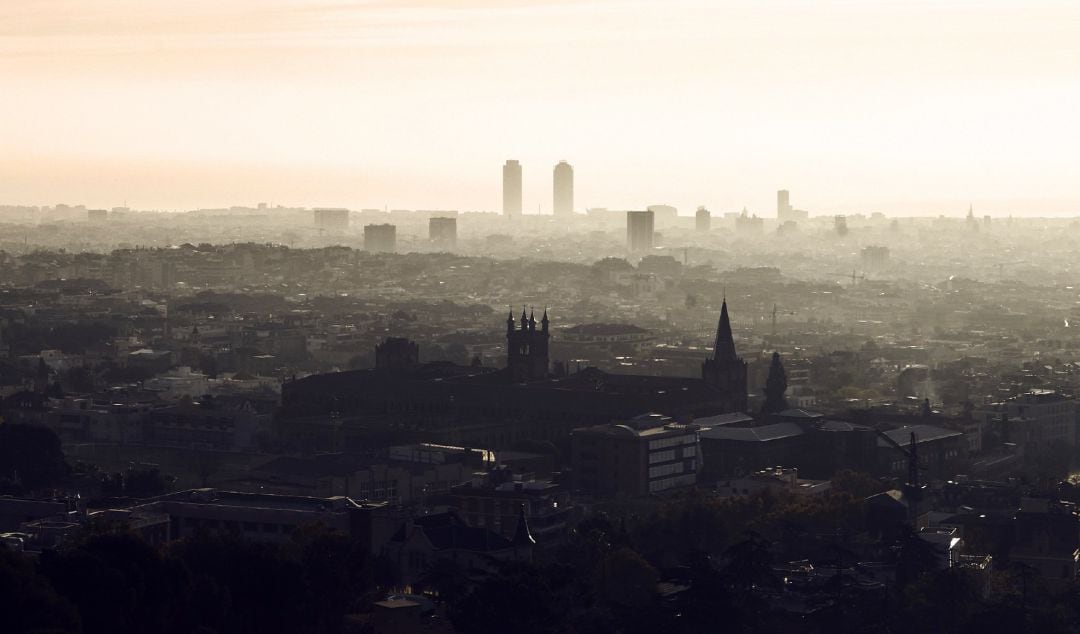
x=562 y=189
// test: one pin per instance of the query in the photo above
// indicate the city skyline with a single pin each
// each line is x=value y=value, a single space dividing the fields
x=881 y=106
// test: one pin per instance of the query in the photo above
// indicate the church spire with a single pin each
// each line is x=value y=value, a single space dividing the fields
x=724 y=348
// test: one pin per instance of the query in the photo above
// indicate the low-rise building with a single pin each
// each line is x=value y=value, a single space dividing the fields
x=775 y=480
x=495 y=499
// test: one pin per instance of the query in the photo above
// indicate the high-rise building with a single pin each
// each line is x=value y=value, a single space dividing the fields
x=783 y=204
x=380 y=238
x=512 y=189
x=563 y=203
x=785 y=212
x=639 y=231
x=97 y=215
x=442 y=232
x=331 y=218
x=702 y=220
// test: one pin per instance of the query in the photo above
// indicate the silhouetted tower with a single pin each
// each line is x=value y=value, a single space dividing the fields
x=783 y=205
x=775 y=386
x=725 y=370
x=527 y=347
x=639 y=231
x=512 y=189
x=563 y=189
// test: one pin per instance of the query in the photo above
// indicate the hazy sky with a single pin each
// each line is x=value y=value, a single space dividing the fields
x=911 y=106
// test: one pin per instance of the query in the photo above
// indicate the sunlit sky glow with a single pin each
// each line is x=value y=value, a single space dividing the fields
x=909 y=107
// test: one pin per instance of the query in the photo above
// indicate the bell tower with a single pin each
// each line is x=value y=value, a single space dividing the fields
x=527 y=347
x=725 y=370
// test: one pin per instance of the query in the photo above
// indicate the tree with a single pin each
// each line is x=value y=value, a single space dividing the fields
x=775 y=386
x=31 y=455
x=28 y=603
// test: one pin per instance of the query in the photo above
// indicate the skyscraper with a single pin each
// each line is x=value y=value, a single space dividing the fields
x=639 y=231
x=512 y=189
x=563 y=189
x=783 y=205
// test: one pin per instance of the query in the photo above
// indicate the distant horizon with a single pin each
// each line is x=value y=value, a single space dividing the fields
x=948 y=209
x=905 y=108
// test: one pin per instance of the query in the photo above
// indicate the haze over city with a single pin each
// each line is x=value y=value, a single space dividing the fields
x=539 y=317
x=907 y=108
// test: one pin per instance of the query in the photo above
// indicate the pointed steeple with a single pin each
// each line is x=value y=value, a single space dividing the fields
x=522 y=535
x=510 y=321
x=724 y=348
x=524 y=318
x=544 y=321
x=532 y=319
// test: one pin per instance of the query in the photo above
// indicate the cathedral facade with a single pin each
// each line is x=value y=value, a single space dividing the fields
x=402 y=400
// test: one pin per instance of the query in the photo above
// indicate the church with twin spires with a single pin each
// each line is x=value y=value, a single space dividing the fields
x=402 y=400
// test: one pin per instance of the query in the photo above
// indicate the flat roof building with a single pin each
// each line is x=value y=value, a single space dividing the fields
x=647 y=454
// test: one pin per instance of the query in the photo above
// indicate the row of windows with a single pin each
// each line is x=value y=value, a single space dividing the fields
x=666 y=469
x=661 y=456
x=670 y=483
x=377 y=490
x=672 y=441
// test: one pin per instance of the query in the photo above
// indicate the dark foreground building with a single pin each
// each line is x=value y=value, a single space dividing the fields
x=401 y=400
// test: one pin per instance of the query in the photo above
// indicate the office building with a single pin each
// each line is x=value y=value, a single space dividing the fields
x=512 y=189
x=331 y=218
x=97 y=215
x=563 y=202
x=271 y=518
x=639 y=231
x=702 y=220
x=646 y=454
x=380 y=238
x=442 y=232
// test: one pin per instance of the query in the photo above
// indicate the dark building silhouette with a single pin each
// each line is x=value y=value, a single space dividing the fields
x=400 y=401
x=639 y=231
x=563 y=189
x=527 y=348
x=512 y=189
x=726 y=370
x=397 y=354
x=442 y=232
x=380 y=238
